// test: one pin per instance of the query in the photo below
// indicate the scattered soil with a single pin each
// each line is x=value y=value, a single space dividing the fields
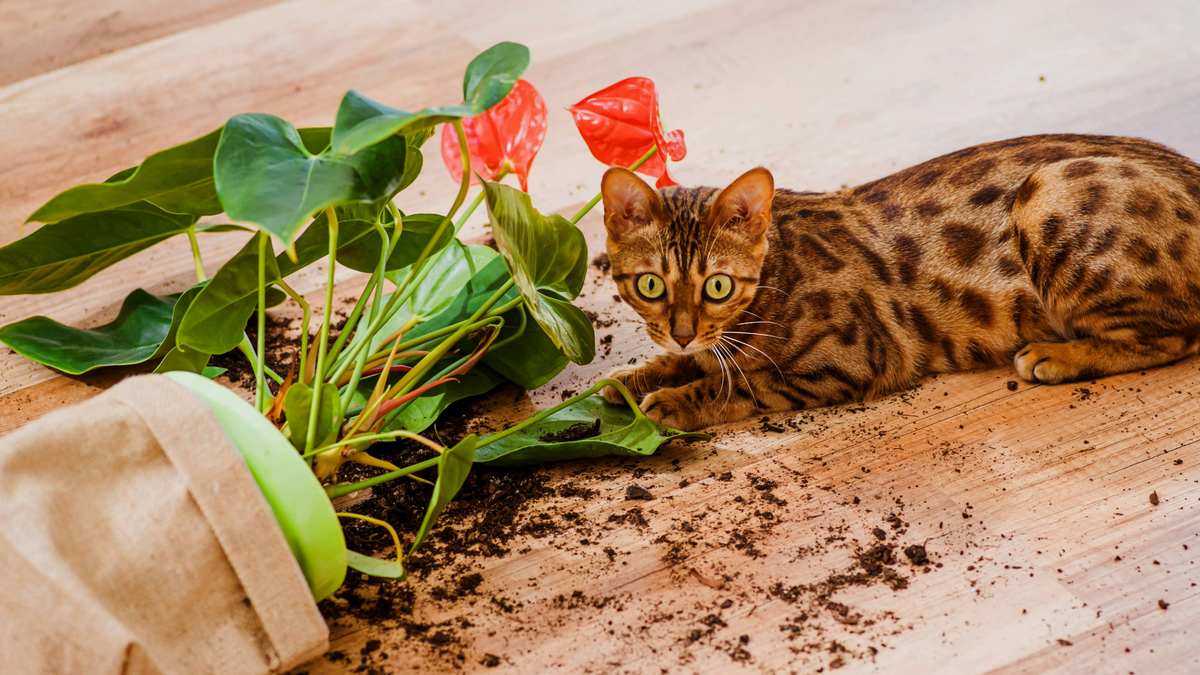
x=602 y=263
x=634 y=492
x=575 y=432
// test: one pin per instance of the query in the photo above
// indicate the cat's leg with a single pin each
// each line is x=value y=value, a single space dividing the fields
x=717 y=400
x=664 y=370
x=1108 y=246
x=1055 y=362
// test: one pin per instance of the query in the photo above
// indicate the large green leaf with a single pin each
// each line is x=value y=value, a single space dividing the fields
x=178 y=180
x=297 y=405
x=415 y=234
x=63 y=255
x=547 y=257
x=488 y=79
x=216 y=321
x=266 y=176
x=621 y=433
x=453 y=467
x=532 y=359
x=143 y=330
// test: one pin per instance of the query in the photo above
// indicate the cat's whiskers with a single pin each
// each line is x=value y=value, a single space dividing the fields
x=724 y=371
x=765 y=355
x=747 y=323
x=749 y=387
x=772 y=288
x=741 y=332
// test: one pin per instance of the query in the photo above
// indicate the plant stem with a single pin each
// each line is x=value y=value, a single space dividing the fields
x=335 y=491
x=504 y=171
x=377 y=279
x=409 y=380
x=191 y=232
x=381 y=436
x=303 y=324
x=323 y=336
x=248 y=350
x=569 y=402
x=415 y=269
x=260 y=389
x=596 y=200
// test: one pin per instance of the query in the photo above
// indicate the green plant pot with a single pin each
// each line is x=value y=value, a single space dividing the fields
x=301 y=507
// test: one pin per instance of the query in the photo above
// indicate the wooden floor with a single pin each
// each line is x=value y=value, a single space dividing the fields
x=1034 y=504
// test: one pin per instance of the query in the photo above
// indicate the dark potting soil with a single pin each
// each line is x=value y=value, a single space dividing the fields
x=575 y=432
x=282 y=350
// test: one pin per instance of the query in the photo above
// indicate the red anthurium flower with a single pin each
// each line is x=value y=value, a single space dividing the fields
x=621 y=123
x=510 y=132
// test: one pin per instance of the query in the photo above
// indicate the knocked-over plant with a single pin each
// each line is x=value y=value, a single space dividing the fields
x=459 y=320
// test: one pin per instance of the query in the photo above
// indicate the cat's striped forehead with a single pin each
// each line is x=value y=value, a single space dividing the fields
x=687 y=224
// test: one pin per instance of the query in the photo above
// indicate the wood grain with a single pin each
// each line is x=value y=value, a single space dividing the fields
x=37 y=36
x=1025 y=498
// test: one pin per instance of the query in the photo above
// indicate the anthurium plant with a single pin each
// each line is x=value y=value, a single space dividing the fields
x=438 y=321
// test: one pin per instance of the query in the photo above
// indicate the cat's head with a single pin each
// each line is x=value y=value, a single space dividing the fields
x=687 y=259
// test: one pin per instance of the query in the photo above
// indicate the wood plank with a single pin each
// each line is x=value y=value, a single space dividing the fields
x=37 y=36
x=1054 y=481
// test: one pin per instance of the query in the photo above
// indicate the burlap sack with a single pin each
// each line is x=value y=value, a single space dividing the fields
x=134 y=540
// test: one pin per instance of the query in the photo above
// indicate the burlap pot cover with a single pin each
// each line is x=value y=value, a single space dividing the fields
x=133 y=540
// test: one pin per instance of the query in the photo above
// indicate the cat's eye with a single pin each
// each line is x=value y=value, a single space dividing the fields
x=718 y=287
x=651 y=286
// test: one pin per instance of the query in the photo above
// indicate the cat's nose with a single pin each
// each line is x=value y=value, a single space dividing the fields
x=683 y=340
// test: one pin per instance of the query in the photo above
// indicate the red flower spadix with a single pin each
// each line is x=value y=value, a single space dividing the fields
x=510 y=132
x=621 y=123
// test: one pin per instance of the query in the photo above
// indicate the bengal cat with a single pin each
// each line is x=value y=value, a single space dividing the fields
x=1071 y=255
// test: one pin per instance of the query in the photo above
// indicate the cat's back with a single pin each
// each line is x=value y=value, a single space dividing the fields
x=964 y=198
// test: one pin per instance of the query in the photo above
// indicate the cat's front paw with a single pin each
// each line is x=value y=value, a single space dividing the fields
x=669 y=408
x=1047 y=363
x=628 y=377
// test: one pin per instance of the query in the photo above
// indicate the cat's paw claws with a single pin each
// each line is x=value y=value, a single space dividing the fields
x=1046 y=363
x=664 y=407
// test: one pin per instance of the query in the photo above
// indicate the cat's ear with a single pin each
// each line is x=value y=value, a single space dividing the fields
x=746 y=204
x=629 y=203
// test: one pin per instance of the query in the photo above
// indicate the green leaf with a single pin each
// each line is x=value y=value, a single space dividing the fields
x=492 y=74
x=315 y=139
x=178 y=180
x=63 y=255
x=531 y=360
x=453 y=467
x=417 y=231
x=547 y=257
x=355 y=223
x=183 y=358
x=213 y=372
x=297 y=405
x=275 y=297
x=621 y=433
x=488 y=79
x=142 y=331
x=425 y=409
x=266 y=176
x=442 y=280
x=223 y=227
x=388 y=569
x=216 y=321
